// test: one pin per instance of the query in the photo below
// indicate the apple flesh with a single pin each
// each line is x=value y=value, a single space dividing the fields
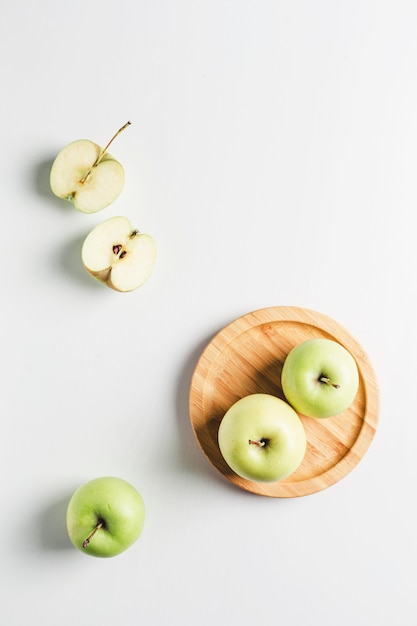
x=105 y=516
x=320 y=378
x=118 y=255
x=87 y=175
x=262 y=438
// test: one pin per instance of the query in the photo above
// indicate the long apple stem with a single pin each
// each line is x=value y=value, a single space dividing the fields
x=103 y=152
x=261 y=443
x=327 y=381
x=91 y=535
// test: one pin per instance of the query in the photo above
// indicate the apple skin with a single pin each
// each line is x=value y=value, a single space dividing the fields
x=305 y=366
x=261 y=417
x=116 y=504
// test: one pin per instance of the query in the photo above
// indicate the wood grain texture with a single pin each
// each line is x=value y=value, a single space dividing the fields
x=247 y=357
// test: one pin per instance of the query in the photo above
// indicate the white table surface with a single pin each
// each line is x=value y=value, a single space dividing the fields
x=272 y=155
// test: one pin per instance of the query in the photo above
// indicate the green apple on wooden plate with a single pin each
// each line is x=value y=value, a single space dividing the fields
x=105 y=516
x=319 y=378
x=261 y=438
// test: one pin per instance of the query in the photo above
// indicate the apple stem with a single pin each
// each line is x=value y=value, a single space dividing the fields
x=91 y=535
x=103 y=152
x=261 y=443
x=327 y=381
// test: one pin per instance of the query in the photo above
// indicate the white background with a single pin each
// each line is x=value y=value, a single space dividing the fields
x=272 y=155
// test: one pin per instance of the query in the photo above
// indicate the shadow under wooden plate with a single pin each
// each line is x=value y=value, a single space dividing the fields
x=247 y=357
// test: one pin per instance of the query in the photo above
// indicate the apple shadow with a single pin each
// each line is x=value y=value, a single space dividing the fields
x=52 y=529
x=192 y=455
x=41 y=177
x=193 y=459
x=40 y=182
x=69 y=259
x=183 y=389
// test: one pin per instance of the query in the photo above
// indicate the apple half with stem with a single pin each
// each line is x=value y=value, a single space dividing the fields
x=105 y=516
x=118 y=255
x=319 y=378
x=262 y=438
x=87 y=175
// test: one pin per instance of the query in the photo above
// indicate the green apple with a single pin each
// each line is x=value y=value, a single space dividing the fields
x=262 y=438
x=105 y=516
x=118 y=255
x=320 y=378
x=87 y=175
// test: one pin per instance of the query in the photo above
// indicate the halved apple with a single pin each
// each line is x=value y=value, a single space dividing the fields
x=87 y=175
x=118 y=255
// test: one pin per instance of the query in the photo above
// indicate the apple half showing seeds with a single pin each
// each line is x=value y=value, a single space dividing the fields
x=262 y=438
x=105 y=516
x=87 y=175
x=118 y=255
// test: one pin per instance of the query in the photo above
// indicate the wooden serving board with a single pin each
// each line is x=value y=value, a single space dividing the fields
x=247 y=357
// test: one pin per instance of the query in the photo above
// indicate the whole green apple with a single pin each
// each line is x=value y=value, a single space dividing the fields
x=262 y=438
x=320 y=378
x=105 y=516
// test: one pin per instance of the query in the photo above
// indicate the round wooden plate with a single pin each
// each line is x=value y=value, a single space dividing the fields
x=247 y=357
